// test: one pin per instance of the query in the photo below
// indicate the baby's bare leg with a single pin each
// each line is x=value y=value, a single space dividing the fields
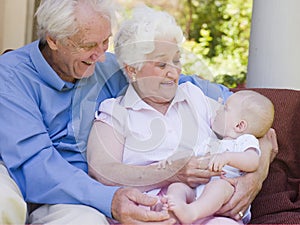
x=215 y=194
x=178 y=197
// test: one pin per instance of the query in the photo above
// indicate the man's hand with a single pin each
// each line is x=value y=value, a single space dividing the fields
x=126 y=209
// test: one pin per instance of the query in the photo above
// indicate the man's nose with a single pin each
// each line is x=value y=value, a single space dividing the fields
x=99 y=54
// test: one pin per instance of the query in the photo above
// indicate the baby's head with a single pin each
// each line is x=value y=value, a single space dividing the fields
x=245 y=112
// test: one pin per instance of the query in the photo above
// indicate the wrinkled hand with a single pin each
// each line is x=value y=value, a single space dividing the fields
x=217 y=162
x=269 y=141
x=126 y=209
x=195 y=171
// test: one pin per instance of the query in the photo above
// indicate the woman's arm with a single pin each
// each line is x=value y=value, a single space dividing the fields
x=104 y=155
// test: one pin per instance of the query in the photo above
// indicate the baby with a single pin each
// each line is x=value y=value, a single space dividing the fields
x=246 y=116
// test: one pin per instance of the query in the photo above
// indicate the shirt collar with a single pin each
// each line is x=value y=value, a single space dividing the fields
x=132 y=100
x=45 y=71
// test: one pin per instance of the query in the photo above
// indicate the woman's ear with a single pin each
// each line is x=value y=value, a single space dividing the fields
x=131 y=72
x=241 y=126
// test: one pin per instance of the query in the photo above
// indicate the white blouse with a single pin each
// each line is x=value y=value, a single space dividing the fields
x=151 y=136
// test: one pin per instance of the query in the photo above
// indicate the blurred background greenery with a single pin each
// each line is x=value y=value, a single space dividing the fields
x=217 y=36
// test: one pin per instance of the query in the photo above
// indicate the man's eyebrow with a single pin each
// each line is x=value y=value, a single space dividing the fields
x=93 y=42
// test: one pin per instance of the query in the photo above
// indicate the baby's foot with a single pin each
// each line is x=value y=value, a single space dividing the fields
x=181 y=211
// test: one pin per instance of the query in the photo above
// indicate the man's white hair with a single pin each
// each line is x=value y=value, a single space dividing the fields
x=57 y=18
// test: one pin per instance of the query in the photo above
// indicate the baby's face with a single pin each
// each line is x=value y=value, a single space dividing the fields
x=227 y=117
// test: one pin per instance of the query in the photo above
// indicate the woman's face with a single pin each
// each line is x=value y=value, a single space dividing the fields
x=157 y=80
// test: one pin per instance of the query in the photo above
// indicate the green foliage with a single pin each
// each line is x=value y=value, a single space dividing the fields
x=231 y=81
x=220 y=31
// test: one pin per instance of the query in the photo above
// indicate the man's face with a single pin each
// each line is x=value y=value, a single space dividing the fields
x=75 y=57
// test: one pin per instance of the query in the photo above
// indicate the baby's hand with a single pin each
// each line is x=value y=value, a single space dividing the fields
x=217 y=162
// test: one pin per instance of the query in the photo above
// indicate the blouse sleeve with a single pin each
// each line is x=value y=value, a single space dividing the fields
x=112 y=113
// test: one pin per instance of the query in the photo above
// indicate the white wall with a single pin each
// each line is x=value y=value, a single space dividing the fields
x=274 y=55
x=16 y=18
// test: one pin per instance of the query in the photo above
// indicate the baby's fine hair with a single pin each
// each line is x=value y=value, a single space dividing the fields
x=257 y=110
x=137 y=35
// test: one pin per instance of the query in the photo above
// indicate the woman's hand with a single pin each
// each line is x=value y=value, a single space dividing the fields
x=126 y=208
x=195 y=171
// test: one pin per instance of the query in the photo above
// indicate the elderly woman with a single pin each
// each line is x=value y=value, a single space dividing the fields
x=156 y=119
x=148 y=122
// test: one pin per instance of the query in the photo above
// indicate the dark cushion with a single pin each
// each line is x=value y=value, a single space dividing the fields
x=279 y=200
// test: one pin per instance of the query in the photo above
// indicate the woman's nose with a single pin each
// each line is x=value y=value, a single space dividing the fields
x=173 y=71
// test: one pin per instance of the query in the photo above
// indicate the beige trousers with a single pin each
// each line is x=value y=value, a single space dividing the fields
x=67 y=214
x=12 y=206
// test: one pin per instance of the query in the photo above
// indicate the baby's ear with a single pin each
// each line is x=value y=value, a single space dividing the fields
x=241 y=126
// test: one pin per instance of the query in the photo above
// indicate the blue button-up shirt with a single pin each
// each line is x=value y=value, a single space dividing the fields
x=45 y=121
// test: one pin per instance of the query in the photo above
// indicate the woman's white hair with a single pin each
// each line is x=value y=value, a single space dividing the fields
x=136 y=36
x=57 y=18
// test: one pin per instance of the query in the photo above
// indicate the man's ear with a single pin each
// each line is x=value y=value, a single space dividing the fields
x=241 y=126
x=52 y=43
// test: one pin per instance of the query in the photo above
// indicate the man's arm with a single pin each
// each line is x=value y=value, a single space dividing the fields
x=40 y=170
